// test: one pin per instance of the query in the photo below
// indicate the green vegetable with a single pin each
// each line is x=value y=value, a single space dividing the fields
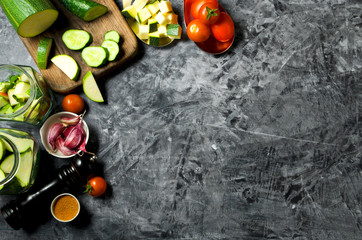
x=30 y=17
x=76 y=39
x=112 y=35
x=87 y=10
x=95 y=56
x=68 y=65
x=112 y=47
x=44 y=47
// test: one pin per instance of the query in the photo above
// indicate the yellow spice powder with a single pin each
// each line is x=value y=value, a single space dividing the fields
x=65 y=208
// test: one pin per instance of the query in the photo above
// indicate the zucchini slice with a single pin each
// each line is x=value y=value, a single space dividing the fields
x=44 y=47
x=113 y=49
x=95 y=56
x=76 y=39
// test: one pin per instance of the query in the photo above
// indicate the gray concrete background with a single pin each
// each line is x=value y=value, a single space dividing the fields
x=262 y=142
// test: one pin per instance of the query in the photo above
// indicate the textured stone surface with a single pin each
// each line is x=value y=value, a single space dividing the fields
x=262 y=142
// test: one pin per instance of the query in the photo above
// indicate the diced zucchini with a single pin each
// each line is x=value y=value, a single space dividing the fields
x=171 y=18
x=143 y=31
x=7 y=109
x=139 y=4
x=4 y=86
x=161 y=19
x=3 y=101
x=143 y=15
x=153 y=7
x=129 y=12
x=154 y=38
x=174 y=31
x=12 y=100
x=162 y=30
x=152 y=25
x=21 y=91
x=165 y=6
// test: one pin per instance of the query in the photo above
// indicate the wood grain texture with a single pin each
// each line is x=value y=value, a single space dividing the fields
x=113 y=20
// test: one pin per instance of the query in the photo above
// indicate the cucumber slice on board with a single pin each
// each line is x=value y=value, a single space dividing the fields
x=112 y=35
x=113 y=49
x=87 y=10
x=95 y=56
x=91 y=89
x=44 y=47
x=30 y=17
x=68 y=65
x=76 y=39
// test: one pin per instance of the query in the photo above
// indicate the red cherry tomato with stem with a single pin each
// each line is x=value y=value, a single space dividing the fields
x=209 y=13
x=196 y=5
x=96 y=186
x=198 y=31
x=223 y=30
x=73 y=103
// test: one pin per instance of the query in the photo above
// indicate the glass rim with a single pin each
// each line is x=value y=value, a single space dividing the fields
x=32 y=92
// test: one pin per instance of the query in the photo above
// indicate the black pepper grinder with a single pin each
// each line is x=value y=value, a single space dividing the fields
x=19 y=213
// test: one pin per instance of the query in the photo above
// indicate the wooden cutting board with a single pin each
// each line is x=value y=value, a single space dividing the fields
x=113 y=20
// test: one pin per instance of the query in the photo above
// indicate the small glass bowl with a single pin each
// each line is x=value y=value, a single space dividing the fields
x=71 y=204
x=44 y=130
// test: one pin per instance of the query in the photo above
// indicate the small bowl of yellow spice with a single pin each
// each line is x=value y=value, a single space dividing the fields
x=65 y=207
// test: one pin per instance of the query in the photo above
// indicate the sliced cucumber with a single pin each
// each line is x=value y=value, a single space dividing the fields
x=76 y=39
x=8 y=163
x=95 y=56
x=68 y=65
x=22 y=144
x=44 y=47
x=112 y=35
x=113 y=49
x=91 y=89
x=25 y=168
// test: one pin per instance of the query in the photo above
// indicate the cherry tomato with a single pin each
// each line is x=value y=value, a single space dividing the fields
x=198 y=31
x=196 y=5
x=223 y=30
x=73 y=103
x=96 y=186
x=209 y=13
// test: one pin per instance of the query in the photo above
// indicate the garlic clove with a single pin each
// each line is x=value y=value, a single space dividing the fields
x=54 y=132
x=63 y=149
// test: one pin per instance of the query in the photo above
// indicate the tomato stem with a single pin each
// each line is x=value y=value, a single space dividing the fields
x=211 y=12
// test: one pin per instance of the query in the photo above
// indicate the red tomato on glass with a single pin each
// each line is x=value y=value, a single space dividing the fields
x=198 y=31
x=209 y=13
x=73 y=103
x=96 y=186
x=196 y=5
x=223 y=30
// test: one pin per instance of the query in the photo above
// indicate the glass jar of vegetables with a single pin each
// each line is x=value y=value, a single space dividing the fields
x=18 y=161
x=24 y=95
